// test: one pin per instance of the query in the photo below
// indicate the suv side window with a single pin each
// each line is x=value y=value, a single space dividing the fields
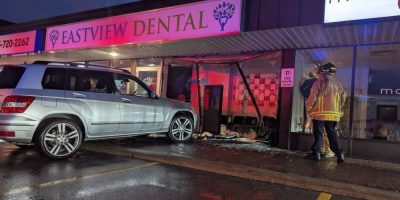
x=54 y=78
x=90 y=81
x=128 y=85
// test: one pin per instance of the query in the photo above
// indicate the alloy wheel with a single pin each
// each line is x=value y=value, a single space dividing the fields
x=182 y=129
x=61 y=139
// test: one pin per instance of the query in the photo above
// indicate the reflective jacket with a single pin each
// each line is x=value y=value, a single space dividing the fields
x=326 y=105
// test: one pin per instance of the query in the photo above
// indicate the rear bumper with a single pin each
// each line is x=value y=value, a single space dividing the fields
x=23 y=126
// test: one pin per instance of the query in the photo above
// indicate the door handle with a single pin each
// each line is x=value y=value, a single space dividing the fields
x=78 y=95
x=125 y=100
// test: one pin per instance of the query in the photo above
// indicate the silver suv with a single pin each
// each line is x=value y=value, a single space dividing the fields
x=56 y=106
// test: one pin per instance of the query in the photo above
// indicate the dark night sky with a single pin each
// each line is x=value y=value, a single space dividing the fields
x=18 y=11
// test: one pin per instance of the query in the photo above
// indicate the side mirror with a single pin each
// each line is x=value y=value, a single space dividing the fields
x=153 y=95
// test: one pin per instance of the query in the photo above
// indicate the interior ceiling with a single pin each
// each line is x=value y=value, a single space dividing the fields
x=377 y=57
x=341 y=57
x=303 y=37
x=221 y=59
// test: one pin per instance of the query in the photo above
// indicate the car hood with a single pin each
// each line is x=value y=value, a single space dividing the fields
x=176 y=103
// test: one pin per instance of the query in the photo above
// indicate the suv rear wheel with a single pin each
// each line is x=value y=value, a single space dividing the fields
x=181 y=129
x=59 y=138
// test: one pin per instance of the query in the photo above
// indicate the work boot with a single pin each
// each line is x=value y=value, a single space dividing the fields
x=314 y=156
x=340 y=158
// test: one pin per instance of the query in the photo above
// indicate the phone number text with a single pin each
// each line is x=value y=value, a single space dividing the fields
x=19 y=42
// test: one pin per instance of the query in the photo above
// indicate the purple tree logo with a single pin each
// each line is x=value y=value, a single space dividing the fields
x=54 y=35
x=223 y=12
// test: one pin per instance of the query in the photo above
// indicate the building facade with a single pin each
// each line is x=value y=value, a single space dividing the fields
x=258 y=50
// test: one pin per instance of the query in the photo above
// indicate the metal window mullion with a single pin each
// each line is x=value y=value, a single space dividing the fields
x=199 y=97
x=353 y=76
x=253 y=99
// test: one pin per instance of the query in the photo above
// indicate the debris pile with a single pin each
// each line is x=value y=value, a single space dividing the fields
x=228 y=135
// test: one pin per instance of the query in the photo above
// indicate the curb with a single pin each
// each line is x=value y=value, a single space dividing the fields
x=370 y=163
x=292 y=180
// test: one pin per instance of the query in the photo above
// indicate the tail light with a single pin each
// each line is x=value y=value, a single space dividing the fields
x=7 y=134
x=16 y=104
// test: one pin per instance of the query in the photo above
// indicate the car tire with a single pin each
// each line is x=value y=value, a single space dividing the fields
x=59 y=138
x=181 y=129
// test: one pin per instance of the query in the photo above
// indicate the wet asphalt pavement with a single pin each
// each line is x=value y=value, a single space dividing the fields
x=25 y=174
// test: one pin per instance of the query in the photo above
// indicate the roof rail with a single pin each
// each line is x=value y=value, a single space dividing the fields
x=44 y=62
x=72 y=64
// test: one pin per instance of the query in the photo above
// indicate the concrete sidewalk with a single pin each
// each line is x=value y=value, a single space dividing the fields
x=354 y=178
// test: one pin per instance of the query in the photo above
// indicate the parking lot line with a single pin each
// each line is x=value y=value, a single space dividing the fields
x=324 y=196
x=75 y=178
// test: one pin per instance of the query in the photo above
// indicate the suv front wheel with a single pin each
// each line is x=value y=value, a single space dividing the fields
x=59 y=138
x=181 y=129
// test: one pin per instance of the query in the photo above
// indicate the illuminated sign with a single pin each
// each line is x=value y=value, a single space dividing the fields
x=196 y=20
x=18 y=43
x=348 y=10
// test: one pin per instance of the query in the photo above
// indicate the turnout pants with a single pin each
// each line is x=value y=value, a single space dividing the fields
x=318 y=130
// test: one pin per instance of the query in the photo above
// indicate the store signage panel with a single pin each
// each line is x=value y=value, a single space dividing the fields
x=348 y=10
x=287 y=77
x=197 y=20
x=18 y=43
x=384 y=82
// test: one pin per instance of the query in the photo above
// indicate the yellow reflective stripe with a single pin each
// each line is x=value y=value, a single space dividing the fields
x=324 y=196
x=326 y=113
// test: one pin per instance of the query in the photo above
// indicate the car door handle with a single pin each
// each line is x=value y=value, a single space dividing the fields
x=78 y=95
x=125 y=100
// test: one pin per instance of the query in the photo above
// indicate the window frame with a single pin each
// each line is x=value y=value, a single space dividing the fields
x=112 y=84
x=137 y=80
x=55 y=68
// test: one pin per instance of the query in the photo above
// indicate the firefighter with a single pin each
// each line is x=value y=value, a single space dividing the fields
x=305 y=89
x=325 y=107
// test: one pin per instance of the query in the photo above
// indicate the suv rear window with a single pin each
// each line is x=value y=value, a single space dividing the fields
x=10 y=76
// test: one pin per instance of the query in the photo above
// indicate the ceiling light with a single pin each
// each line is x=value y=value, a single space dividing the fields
x=113 y=54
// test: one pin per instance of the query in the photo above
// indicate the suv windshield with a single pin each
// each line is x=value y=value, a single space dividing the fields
x=10 y=76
